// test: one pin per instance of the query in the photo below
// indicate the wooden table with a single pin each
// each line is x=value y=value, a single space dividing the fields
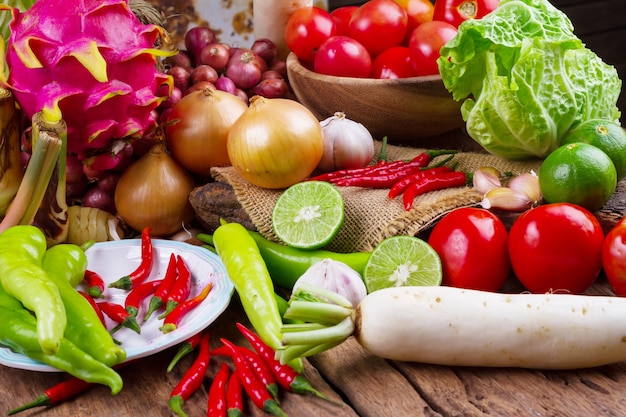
x=366 y=385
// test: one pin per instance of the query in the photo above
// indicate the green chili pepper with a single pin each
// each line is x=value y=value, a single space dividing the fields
x=21 y=249
x=286 y=264
x=19 y=333
x=246 y=268
x=63 y=263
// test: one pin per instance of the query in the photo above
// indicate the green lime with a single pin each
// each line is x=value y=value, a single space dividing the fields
x=402 y=261
x=578 y=173
x=308 y=215
x=607 y=135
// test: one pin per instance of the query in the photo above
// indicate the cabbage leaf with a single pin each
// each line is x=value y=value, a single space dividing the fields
x=525 y=79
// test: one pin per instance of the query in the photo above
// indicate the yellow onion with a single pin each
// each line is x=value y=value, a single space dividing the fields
x=275 y=143
x=198 y=126
x=154 y=192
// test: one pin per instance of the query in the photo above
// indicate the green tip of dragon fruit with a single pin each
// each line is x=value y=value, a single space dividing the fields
x=92 y=63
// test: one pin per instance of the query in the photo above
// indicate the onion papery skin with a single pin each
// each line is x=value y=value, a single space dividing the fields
x=154 y=192
x=276 y=143
x=198 y=126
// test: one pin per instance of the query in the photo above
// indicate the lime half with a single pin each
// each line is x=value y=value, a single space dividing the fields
x=308 y=215
x=402 y=261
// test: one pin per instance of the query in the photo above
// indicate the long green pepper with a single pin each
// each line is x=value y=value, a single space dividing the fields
x=246 y=269
x=19 y=333
x=22 y=248
x=64 y=263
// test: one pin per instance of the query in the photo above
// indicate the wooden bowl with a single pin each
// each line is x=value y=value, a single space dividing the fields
x=401 y=109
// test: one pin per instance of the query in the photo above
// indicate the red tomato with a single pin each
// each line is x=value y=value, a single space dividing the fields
x=418 y=12
x=425 y=43
x=614 y=258
x=378 y=25
x=341 y=16
x=343 y=57
x=306 y=29
x=472 y=245
x=394 y=62
x=556 y=248
x=458 y=11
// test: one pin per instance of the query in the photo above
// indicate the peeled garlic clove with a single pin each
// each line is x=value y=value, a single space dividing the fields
x=335 y=276
x=528 y=184
x=486 y=178
x=506 y=199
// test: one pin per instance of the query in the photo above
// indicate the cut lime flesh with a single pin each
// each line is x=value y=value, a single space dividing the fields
x=402 y=261
x=308 y=215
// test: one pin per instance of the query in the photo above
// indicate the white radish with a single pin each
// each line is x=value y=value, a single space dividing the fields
x=458 y=327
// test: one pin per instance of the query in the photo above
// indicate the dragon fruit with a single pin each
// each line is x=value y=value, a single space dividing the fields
x=91 y=63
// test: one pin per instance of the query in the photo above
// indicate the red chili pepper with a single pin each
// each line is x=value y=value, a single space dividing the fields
x=118 y=314
x=142 y=272
x=56 y=394
x=286 y=376
x=184 y=349
x=251 y=384
x=258 y=365
x=166 y=285
x=95 y=283
x=432 y=183
x=172 y=320
x=401 y=185
x=234 y=396
x=261 y=369
x=192 y=379
x=378 y=180
x=138 y=294
x=94 y=305
x=216 y=404
x=60 y=392
x=180 y=289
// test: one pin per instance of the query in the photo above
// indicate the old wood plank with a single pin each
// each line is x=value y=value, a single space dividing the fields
x=372 y=386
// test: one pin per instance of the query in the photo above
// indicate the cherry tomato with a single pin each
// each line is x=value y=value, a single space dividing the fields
x=472 y=245
x=456 y=12
x=343 y=57
x=341 y=16
x=425 y=43
x=394 y=62
x=614 y=258
x=556 y=248
x=418 y=12
x=378 y=25
x=306 y=29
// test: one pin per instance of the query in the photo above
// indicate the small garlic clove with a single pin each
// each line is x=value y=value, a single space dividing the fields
x=486 y=178
x=337 y=277
x=506 y=198
x=528 y=184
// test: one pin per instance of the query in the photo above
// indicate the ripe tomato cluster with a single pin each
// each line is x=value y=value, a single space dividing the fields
x=559 y=248
x=379 y=38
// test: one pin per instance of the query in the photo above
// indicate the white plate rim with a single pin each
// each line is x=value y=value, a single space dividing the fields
x=198 y=319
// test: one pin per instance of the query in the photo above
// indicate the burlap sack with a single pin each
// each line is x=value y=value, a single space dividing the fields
x=370 y=216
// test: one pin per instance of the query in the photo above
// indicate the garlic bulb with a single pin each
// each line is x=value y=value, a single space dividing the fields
x=347 y=144
x=334 y=276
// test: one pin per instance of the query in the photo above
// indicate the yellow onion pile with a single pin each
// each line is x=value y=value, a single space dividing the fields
x=275 y=143
x=197 y=129
x=154 y=192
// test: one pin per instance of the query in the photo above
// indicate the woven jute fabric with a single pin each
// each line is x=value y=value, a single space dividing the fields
x=370 y=216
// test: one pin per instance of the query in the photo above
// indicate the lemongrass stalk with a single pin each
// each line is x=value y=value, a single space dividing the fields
x=11 y=171
x=36 y=177
x=51 y=215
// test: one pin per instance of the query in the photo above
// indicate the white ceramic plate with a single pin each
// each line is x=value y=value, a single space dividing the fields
x=115 y=259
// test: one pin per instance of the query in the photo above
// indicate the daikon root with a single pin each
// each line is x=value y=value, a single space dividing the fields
x=458 y=327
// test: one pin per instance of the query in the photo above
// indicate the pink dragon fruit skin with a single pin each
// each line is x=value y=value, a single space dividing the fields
x=90 y=62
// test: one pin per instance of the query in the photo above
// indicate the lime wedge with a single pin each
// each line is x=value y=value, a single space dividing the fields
x=402 y=261
x=308 y=215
